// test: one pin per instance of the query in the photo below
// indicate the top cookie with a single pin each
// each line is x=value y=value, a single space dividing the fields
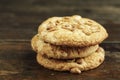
x=72 y=31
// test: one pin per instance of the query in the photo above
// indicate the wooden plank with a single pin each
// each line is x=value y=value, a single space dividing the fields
x=62 y=2
x=27 y=31
x=18 y=61
x=19 y=20
x=99 y=10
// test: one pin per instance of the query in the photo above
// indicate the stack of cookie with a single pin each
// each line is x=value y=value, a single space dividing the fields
x=69 y=43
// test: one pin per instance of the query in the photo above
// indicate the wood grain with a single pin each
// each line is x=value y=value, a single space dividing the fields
x=18 y=62
x=19 y=21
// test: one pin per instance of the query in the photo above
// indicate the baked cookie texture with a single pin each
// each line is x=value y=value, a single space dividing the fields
x=72 y=31
x=69 y=43
x=34 y=43
x=75 y=65
x=60 y=52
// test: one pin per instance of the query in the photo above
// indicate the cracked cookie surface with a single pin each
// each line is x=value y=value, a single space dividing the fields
x=60 y=52
x=72 y=31
x=75 y=65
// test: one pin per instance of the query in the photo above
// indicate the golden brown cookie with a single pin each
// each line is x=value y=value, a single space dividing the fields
x=75 y=65
x=72 y=31
x=60 y=52
x=34 y=43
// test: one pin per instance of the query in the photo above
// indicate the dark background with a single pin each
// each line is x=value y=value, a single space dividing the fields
x=19 y=21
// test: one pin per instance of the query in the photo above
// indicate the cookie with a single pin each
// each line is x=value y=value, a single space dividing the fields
x=75 y=65
x=60 y=52
x=72 y=31
x=34 y=43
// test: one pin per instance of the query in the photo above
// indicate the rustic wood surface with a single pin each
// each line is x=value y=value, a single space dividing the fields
x=19 y=21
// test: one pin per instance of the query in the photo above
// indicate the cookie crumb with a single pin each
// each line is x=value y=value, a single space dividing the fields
x=75 y=70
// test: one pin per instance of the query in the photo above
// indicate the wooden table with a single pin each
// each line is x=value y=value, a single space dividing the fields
x=19 y=21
